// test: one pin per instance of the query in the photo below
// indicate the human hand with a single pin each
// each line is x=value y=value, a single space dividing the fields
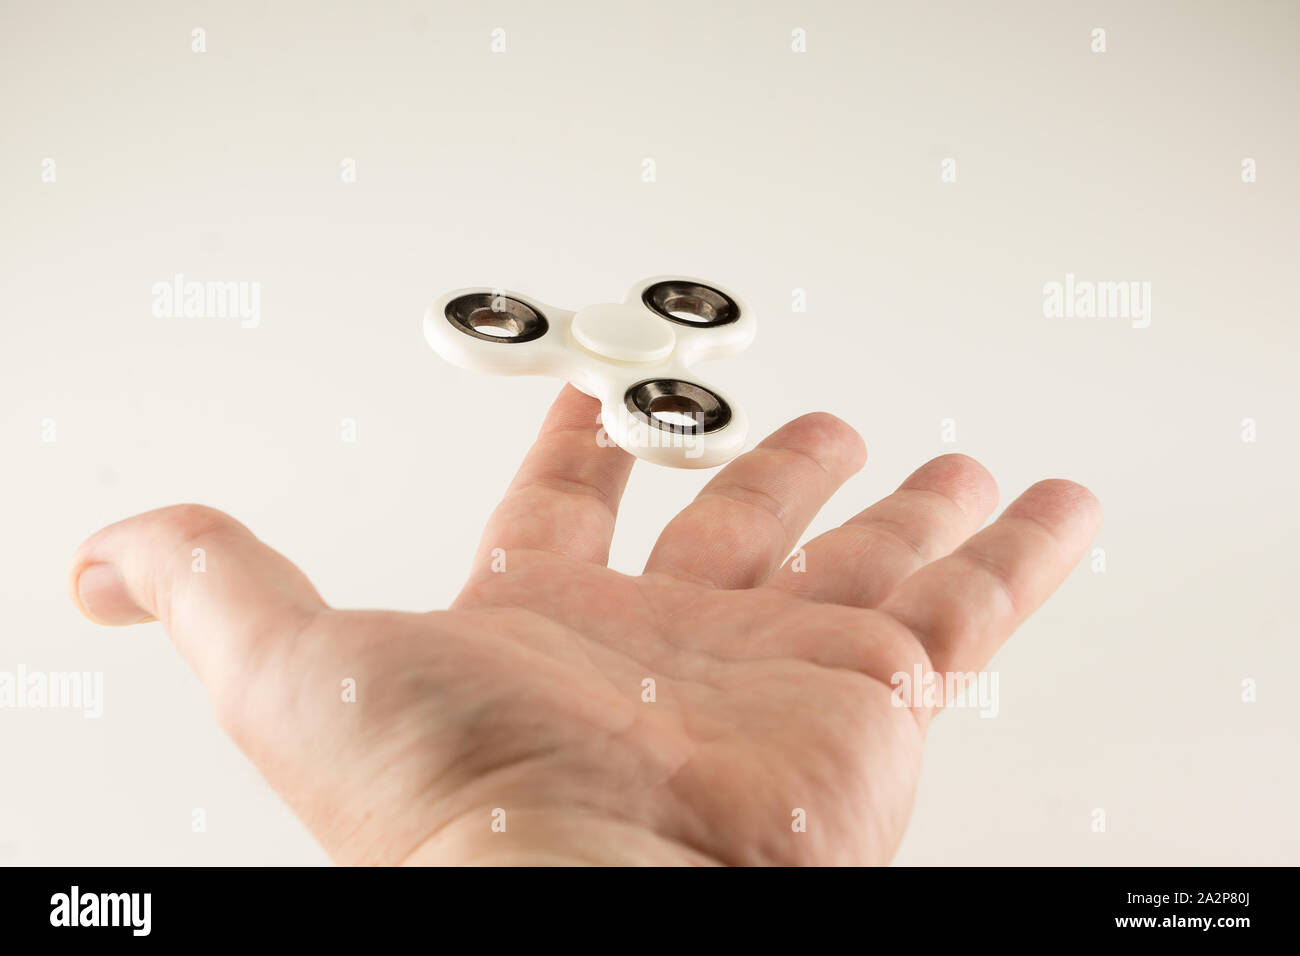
x=523 y=703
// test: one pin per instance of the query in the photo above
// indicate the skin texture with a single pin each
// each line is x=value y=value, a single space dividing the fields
x=771 y=684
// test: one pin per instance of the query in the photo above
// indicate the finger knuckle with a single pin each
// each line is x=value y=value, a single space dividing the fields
x=195 y=520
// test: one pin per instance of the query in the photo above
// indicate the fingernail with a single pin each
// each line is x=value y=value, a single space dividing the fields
x=103 y=597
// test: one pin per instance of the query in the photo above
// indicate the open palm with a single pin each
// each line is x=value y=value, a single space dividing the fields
x=719 y=708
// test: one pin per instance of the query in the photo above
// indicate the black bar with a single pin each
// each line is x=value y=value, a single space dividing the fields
x=935 y=908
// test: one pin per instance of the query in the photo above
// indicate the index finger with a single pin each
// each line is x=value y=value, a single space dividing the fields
x=565 y=498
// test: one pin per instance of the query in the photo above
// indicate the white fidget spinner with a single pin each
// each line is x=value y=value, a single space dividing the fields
x=634 y=357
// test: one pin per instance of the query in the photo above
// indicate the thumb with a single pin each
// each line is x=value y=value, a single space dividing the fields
x=221 y=594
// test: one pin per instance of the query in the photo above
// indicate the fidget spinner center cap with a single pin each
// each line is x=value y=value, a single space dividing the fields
x=623 y=333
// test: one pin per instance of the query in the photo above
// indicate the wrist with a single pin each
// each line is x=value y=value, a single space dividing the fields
x=526 y=837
